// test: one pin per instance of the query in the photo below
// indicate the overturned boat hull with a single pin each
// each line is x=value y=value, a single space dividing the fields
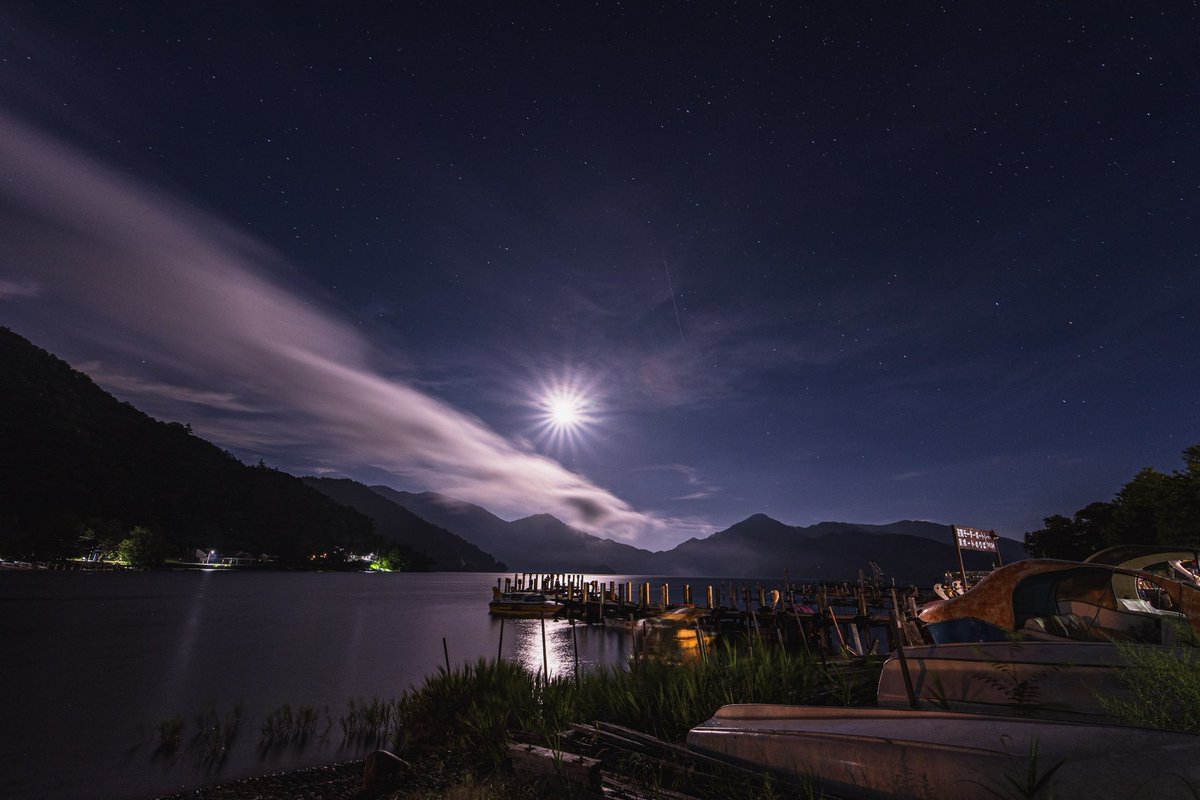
x=1047 y=679
x=935 y=755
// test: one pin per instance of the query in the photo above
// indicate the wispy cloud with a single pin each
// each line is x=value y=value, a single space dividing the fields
x=10 y=289
x=159 y=391
x=186 y=293
x=699 y=488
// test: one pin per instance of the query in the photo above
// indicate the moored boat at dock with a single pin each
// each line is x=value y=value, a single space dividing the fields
x=523 y=604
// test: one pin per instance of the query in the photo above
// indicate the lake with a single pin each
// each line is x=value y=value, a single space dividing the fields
x=92 y=663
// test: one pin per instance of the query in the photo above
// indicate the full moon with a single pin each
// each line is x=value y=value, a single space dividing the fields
x=566 y=411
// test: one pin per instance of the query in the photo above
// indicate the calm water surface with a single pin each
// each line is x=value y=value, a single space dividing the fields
x=91 y=663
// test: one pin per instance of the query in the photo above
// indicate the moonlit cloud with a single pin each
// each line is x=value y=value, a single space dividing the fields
x=192 y=298
x=12 y=289
x=699 y=488
x=157 y=391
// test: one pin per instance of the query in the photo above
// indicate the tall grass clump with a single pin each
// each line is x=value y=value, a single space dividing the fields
x=668 y=700
x=468 y=712
x=1163 y=685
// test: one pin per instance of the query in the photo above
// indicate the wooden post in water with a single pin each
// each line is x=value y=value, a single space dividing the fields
x=500 y=647
x=645 y=598
x=687 y=594
x=575 y=645
x=446 y=653
x=710 y=596
x=545 y=661
x=664 y=593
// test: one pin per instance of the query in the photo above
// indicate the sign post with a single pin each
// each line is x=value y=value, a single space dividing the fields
x=974 y=539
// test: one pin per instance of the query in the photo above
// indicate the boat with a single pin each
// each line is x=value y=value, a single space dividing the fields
x=1034 y=678
x=677 y=635
x=875 y=753
x=523 y=604
x=1041 y=598
x=627 y=623
x=1006 y=701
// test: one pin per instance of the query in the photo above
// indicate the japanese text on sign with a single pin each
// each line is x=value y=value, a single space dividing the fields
x=975 y=539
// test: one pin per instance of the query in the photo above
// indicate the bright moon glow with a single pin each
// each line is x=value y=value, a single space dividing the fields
x=566 y=411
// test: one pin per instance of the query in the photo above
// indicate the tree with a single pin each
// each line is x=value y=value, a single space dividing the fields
x=1152 y=508
x=143 y=548
x=1073 y=539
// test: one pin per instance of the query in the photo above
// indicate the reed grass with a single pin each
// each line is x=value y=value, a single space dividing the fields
x=370 y=720
x=285 y=726
x=170 y=734
x=465 y=714
x=216 y=733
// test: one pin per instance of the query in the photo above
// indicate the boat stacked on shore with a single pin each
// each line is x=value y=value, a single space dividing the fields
x=1034 y=652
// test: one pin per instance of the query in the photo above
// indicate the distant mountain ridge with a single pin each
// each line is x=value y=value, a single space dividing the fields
x=394 y=522
x=532 y=544
x=912 y=551
x=81 y=465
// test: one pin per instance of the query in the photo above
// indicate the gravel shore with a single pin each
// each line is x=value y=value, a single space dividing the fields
x=332 y=782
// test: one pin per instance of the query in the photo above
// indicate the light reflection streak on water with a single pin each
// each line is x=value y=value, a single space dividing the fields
x=189 y=632
x=596 y=646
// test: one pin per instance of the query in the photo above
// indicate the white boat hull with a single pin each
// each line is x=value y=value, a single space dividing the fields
x=1046 y=679
x=872 y=754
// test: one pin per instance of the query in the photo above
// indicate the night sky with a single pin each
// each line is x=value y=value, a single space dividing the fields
x=851 y=261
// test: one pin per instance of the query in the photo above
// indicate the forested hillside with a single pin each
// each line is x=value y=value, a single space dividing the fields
x=80 y=470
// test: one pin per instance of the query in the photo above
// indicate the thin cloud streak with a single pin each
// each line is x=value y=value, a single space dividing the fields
x=152 y=269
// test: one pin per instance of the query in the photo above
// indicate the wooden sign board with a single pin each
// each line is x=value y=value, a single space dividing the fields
x=974 y=539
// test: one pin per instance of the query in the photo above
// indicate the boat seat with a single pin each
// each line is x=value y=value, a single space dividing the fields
x=1059 y=626
x=1130 y=625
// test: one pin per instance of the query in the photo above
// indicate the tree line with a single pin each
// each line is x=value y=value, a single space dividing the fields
x=1154 y=508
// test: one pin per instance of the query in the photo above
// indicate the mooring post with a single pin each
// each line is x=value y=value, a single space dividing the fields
x=575 y=646
x=710 y=597
x=545 y=661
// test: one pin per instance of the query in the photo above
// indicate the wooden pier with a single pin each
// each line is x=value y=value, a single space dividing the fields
x=857 y=618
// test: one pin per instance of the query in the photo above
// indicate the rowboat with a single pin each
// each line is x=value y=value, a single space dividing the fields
x=1045 y=679
x=874 y=753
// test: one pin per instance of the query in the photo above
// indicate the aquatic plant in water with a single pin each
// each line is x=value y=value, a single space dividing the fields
x=285 y=726
x=216 y=733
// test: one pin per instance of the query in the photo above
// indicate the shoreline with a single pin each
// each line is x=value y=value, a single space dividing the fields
x=338 y=781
